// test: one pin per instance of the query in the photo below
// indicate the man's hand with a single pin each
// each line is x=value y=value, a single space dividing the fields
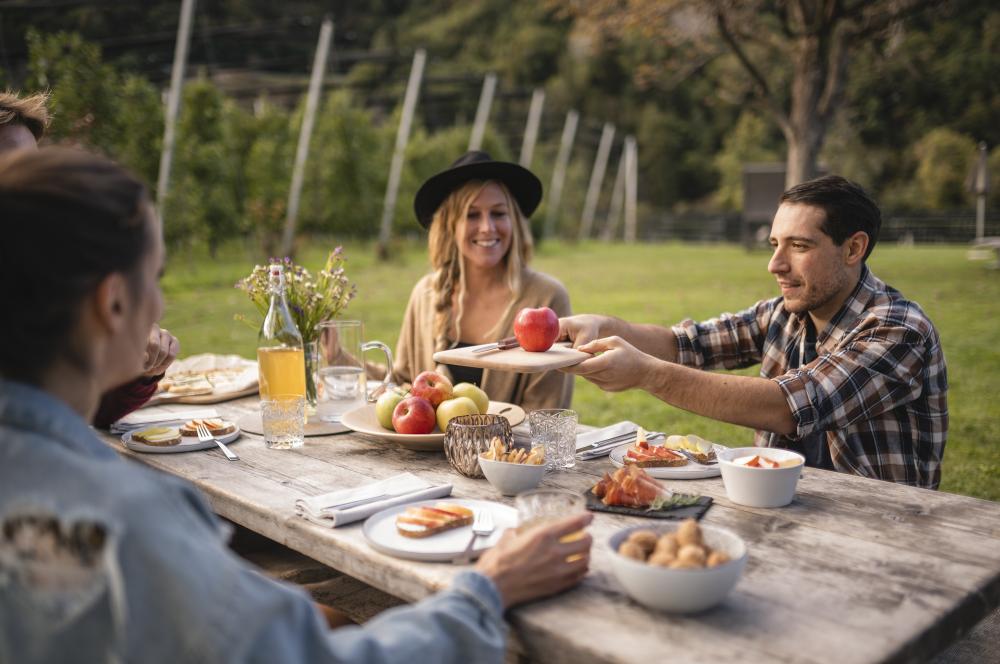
x=617 y=365
x=161 y=350
x=584 y=328
x=533 y=564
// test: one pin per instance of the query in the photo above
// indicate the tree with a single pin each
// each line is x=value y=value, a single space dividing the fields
x=790 y=59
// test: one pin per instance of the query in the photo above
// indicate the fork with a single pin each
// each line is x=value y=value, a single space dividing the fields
x=482 y=526
x=205 y=436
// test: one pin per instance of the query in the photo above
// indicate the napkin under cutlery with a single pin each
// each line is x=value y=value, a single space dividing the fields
x=161 y=415
x=338 y=508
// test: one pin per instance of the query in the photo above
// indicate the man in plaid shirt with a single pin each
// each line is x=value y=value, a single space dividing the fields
x=852 y=373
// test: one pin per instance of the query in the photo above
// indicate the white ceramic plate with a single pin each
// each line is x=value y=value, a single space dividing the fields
x=187 y=444
x=691 y=471
x=362 y=419
x=380 y=530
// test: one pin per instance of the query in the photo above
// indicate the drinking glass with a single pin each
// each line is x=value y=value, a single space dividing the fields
x=542 y=506
x=555 y=428
x=341 y=383
x=284 y=420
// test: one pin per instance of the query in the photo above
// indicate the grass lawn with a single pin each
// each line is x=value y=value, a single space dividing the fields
x=657 y=283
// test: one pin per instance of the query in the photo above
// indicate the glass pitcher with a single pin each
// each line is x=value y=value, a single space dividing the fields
x=341 y=383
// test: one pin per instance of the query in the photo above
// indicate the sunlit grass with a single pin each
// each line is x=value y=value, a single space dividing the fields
x=657 y=283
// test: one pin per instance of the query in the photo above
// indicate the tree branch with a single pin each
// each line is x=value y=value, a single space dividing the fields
x=761 y=83
x=882 y=21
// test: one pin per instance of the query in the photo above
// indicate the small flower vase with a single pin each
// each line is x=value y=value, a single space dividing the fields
x=310 y=351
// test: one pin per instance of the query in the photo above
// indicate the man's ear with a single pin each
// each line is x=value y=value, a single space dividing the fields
x=109 y=302
x=855 y=248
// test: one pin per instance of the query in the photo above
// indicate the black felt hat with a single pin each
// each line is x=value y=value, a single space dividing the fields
x=477 y=165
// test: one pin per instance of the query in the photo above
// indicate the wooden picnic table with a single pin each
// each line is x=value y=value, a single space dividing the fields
x=854 y=570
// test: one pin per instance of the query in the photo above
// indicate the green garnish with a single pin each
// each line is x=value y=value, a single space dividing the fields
x=671 y=501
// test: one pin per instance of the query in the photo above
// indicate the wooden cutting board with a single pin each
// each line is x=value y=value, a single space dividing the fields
x=515 y=359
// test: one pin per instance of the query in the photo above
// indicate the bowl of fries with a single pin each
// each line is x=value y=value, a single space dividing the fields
x=512 y=470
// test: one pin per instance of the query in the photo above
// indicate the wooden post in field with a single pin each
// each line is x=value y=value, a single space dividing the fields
x=559 y=173
x=617 y=196
x=596 y=180
x=531 y=129
x=174 y=102
x=631 y=187
x=305 y=133
x=402 y=137
x=483 y=111
x=981 y=188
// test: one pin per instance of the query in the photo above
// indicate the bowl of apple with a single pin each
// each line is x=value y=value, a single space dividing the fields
x=417 y=418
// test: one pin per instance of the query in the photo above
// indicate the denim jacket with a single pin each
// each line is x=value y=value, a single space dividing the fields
x=102 y=560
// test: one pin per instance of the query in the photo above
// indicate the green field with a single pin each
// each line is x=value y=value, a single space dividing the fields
x=658 y=283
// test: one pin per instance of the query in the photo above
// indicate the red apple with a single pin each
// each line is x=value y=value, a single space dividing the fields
x=413 y=415
x=432 y=386
x=536 y=329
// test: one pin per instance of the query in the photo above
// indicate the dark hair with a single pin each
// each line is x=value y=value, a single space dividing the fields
x=67 y=220
x=848 y=207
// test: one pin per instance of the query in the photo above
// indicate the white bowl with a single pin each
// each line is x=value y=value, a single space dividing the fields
x=680 y=590
x=760 y=487
x=511 y=479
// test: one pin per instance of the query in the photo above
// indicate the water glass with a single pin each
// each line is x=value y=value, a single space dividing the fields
x=340 y=371
x=284 y=420
x=555 y=428
x=541 y=506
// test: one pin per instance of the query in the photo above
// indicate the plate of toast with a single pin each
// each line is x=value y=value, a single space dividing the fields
x=207 y=378
x=435 y=530
x=665 y=462
x=184 y=438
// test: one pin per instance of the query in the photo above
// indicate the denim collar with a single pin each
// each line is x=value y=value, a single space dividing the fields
x=33 y=410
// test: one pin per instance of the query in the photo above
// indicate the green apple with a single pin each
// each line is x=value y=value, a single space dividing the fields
x=386 y=404
x=474 y=393
x=453 y=408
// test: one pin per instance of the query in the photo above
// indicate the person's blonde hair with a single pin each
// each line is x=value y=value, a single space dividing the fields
x=31 y=111
x=446 y=259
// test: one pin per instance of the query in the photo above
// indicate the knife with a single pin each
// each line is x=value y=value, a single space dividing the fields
x=504 y=344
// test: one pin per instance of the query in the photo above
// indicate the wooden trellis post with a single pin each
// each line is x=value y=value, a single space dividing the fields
x=596 y=180
x=402 y=137
x=559 y=173
x=305 y=133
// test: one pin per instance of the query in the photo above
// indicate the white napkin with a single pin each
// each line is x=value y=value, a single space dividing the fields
x=597 y=435
x=401 y=489
x=159 y=415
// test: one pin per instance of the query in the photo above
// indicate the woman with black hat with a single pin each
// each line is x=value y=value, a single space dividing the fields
x=480 y=244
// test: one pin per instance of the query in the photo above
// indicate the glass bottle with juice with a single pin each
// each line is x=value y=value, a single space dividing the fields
x=280 y=359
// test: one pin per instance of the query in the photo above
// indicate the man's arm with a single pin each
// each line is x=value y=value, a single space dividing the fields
x=745 y=400
x=660 y=342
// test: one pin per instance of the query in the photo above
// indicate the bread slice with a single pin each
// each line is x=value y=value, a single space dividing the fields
x=424 y=521
x=656 y=463
x=217 y=427
x=643 y=455
x=158 y=436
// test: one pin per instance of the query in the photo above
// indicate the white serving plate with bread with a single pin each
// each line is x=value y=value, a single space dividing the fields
x=689 y=471
x=186 y=444
x=381 y=532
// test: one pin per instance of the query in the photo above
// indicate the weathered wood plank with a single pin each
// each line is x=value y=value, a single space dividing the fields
x=857 y=569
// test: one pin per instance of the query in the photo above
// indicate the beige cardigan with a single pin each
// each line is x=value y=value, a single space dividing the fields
x=414 y=353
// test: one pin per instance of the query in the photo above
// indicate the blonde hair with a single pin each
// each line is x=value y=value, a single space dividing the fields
x=30 y=111
x=446 y=259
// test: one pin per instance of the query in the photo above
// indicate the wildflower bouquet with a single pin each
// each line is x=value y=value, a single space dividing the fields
x=311 y=300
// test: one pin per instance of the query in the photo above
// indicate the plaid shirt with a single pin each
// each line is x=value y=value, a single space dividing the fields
x=876 y=392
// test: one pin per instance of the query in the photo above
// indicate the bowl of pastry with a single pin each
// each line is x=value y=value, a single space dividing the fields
x=760 y=476
x=512 y=471
x=680 y=568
